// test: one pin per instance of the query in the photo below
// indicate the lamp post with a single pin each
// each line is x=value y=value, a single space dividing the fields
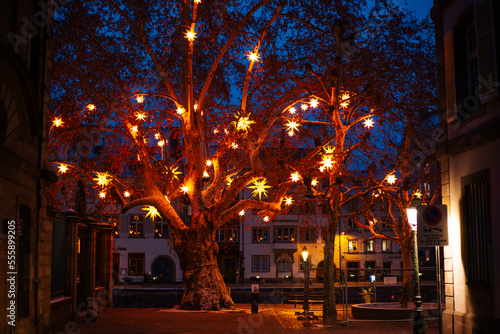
x=418 y=313
x=305 y=254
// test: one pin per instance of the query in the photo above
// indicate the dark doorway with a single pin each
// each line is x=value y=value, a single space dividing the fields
x=230 y=270
x=352 y=275
x=163 y=268
x=369 y=265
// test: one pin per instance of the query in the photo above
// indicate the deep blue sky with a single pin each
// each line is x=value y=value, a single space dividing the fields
x=423 y=7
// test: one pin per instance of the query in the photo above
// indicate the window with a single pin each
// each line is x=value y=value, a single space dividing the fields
x=387 y=267
x=285 y=234
x=58 y=287
x=386 y=245
x=471 y=55
x=477 y=227
x=161 y=229
x=370 y=246
x=136 y=264
x=352 y=245
x=352 y=205
x=260 y=263
x=284 y=265
x=307 y=234
x=136 y=226
x=260 y=234
x=350 y=224
x=226 y=235
x=306 y=207
x=113 y=221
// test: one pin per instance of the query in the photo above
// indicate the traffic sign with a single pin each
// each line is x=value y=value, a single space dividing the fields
x=432 y=225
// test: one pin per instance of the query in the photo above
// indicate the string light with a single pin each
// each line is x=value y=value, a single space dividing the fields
x=166 y=197
x=157 y=136
x=135 y=129
x=216 y=131
x=259 y=187
x=161 y=143
x=205 y=174
x=208 y=163
x=242 y=123
x=180 y=110
x=417 y=194
x=303 y=107
x=152 y=212
x=57 y=122
x=234 y=145
x=344 y=103
x=229 y=180
x=327 y=161
x=292 y=126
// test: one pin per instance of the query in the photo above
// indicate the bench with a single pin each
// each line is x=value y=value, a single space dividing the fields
x=299 y=298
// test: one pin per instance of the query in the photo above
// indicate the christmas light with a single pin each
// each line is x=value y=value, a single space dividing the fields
x=292 y=126
x=344 y=103
x=314 y=182
x=157 y=136
x=205 y=174
x=180 y=110
x=140 y=116
x=314 y=103
x=135 y=128
x=242 y=213
x=303 y=107
x=259 y=187
x=327 y=161
x=417 y=194
x=175 y=171
x=102 y=194
x=152 y=212
x=190 y=35
x=266 y=219
x=295 y=177
x=57 y=122
x=216 y=131
x=161 y=143
x=288 y=201
x=139 y=99
x=253 y=56
x=368 y=123
x=234 y=145
x=102 y=179
x=292 y=110
x=242 y=123
x=62 y=168
x=391 y=179
x=184 y=189
x=229 y=180
x=126 y=194
x=90 y=107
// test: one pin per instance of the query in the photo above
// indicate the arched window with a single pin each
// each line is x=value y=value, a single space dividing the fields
x=284 y=265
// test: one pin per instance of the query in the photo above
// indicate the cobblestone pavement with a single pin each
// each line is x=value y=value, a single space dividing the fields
x=272 y=319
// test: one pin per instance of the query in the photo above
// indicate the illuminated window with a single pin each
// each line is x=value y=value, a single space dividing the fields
x=136 y=264
x=370 y=246
x=386 y=245
x=352 y=246
x=136 y=226
x=285 y=234
x=161 y=230
x=260 y=234
x=226 y=235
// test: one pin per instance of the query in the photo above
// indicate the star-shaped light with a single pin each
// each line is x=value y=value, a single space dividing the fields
x=161 y=143
x=140 y=116
x=266 y=219
x=126 y=194
x=190 y=35
x=62 y=168
x=152 y=212
x=90 y=107
x=175 y=171
x=259 y=187
x=292 y=126
x=313 y=103
x=102 y=194
x=208 y=163
x=314 y=182
x=157 y=136
x=205 y=174
x=242 y=123
x=135 y=128
x=234 y=145
x=242 y=213
x=180 y=110
x=417 y=194
x=253 y=56
x=368 y=123
x=229 y=180
x=288 y=201
x=139 y=99
x=303 y=107
x=295 y=177
x=344 y=103
x=216 y=131
x=184 y=189
x=328 y=160
x=57 y=122
x=391 y=179
x=102 y=179
x=290 y=133
x=292 y=110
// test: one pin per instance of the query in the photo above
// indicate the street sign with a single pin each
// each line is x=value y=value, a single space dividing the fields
x=432 y=225
x=255 y=288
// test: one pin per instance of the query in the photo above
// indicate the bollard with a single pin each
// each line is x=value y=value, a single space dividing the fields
x=255 y=299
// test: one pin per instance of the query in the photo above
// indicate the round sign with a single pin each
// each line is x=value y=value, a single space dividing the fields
x=432 y=215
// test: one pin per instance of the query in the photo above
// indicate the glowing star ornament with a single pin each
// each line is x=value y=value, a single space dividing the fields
x=229 y=180
x=391 y=179
x=328 y=160
x=140 y=116
x=184 y=189
x=181 y=110
x=90 y=106
x=161 y=143
x=102 y=194
x=205 y=174
x=234 y=145
x=190 y=35
x=292 y=110
x=152 y=212
x=242 y=213
x=208 y=163
x=62 y=168
x=216 y=131
x=259 y=187
x=242 y=123
x=344 y=103
x=157 y=136
x=175 y=171
x=266 y=219
x=57 y=122
x=135 y=129
x=139 y=99
x=253 y=56
x=368 y=123
x=288 y=201
x=295 y=177
x=314 y=182
x=417 y=194
x=126 y=194
x=314 y=103
x=303 y=107
x=292 y=126
x=102 y=179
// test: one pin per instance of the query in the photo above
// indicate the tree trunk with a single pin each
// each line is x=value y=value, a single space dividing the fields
x=407 y=289
x=329 y=305
x=204 y=289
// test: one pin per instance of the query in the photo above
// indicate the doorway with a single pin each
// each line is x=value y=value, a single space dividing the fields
x=163 y=268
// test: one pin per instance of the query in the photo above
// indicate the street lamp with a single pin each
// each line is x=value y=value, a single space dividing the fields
x=418 y=313
x=305 y=254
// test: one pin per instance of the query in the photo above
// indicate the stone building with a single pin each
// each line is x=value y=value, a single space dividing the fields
x=468 y=53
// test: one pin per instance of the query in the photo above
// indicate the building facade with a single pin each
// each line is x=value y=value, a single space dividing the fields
x=468 y=53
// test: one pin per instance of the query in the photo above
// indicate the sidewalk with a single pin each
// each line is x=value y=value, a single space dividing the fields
x=272 y=319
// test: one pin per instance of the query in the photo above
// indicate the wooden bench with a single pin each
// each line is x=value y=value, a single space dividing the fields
x=299 y=298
